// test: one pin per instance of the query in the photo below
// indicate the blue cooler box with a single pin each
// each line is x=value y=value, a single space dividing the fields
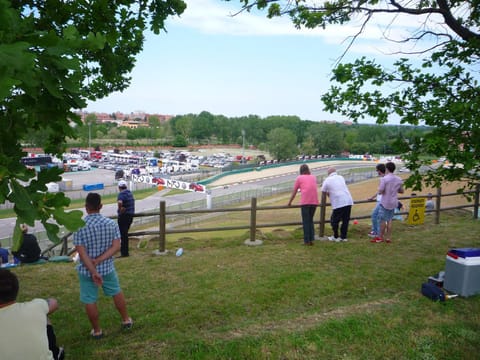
x=462 y=272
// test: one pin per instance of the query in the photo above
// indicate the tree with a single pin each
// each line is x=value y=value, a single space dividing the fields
x=54 y=55
x=282 y=144
x=442 y=93
x=153 y=121
x=202 y=126
x=328 y=138
x=182 y=125
x=308 y=146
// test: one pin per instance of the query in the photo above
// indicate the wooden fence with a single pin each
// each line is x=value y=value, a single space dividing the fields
x=252 y=225
x=253 y=209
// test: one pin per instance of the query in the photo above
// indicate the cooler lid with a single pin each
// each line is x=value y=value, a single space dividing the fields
x=464 y=252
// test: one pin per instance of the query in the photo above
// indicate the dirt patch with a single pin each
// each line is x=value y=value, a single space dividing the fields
x=304 y=323
x=281 y=234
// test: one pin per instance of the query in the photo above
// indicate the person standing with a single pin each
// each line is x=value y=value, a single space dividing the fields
x=341 y=200
x=96 y=243
x=390 y=186
x=27 y=332
x=125 y=212
x=307 y=184
x=29 y=251
x=380 y=168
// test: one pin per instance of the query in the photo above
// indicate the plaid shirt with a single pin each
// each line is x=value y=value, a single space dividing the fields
x=97 y=236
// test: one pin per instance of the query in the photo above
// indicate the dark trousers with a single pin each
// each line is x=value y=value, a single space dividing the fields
x=308 y=211
x=340 y=215
x=52 y=343
x=124 y=222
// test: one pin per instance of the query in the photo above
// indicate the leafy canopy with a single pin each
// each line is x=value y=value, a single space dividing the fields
x=442 y=92
x=55 y=55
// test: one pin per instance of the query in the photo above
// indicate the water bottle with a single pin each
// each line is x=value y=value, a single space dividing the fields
x=179 y=252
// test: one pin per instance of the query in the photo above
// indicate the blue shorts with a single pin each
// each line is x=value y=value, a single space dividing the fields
x=385 y=215
x=89 y=290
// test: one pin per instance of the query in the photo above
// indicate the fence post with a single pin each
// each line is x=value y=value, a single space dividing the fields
x=323 y=206
x=162 y=227
x=253 y=219
x=438 y=205
x=253 y=224
x=476 y=201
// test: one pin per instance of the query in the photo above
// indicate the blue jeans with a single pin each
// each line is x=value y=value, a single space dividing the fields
x=375 y=221
x=308 y=211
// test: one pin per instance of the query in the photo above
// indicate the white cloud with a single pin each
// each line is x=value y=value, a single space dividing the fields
x=215 y=17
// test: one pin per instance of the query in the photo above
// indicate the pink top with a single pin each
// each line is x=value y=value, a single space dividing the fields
x=390 y=186
x=308 y=189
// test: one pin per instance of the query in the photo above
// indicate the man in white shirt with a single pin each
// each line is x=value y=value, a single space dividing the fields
x=341 y=200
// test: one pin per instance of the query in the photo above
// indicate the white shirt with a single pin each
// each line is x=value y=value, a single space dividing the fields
x=24 y=331
x=337 y=191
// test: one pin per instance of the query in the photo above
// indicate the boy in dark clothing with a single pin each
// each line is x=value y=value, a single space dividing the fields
x=29 y=251
x=126 y=210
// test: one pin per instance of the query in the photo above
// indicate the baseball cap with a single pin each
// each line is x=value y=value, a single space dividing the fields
x=122 y=183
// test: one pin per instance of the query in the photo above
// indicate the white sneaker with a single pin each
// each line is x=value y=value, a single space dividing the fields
x=343 y=240
x=332 y=238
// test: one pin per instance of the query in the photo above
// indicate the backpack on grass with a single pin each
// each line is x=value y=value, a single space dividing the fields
x=433 y=292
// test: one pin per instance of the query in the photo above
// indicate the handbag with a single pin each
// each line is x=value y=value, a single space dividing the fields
x=433 y=292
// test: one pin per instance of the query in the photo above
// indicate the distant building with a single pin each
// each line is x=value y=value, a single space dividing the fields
x=133 y=124
x=132 y=120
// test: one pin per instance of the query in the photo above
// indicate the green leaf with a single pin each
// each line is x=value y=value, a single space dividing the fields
x=72 y=220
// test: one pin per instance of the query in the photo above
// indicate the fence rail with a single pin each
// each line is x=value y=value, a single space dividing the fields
x=253 y=210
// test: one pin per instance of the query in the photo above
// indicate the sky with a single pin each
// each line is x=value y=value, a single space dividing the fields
x=244 y=65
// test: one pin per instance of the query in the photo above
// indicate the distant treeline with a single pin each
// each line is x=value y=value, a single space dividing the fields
x=282 y=136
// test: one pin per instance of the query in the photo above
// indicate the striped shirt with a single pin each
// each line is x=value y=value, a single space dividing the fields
x=97 y=237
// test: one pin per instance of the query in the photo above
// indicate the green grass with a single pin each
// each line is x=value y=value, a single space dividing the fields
x=280 y=300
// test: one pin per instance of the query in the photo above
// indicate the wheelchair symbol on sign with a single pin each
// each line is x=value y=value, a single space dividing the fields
x=416 y=217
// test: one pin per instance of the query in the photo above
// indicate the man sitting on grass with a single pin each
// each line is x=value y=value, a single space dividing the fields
x=26 y=330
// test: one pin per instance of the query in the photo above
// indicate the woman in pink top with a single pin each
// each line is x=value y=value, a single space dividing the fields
x=307 y=184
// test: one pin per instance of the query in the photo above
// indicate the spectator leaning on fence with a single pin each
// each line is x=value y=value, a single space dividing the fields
x=380 y=168
x=341 y=200
x=390 y=186
x=307 y=184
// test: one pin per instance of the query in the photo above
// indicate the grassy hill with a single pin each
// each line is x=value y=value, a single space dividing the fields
x=281 y=300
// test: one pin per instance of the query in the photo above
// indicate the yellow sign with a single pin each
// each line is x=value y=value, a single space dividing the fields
x=416 y=213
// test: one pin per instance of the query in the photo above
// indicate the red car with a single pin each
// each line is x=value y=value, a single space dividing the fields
x=196 y=187
x=158 y=181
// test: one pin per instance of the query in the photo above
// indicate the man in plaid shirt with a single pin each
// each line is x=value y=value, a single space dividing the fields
x=96 y=244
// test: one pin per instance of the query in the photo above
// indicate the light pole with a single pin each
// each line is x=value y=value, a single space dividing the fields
x=243 y=146
x=89 y=135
